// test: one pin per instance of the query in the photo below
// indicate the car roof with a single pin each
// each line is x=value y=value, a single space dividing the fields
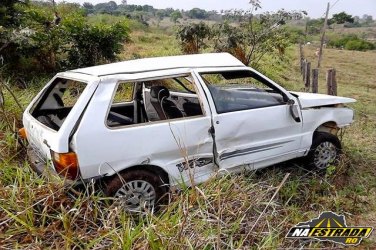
x=162 y=63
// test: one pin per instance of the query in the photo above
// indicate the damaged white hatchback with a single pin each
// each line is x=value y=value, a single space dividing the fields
x=144 y=126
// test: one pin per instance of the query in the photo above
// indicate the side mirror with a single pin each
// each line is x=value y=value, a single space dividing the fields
x=294 y=110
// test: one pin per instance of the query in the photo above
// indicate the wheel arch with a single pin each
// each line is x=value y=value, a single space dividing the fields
x=162 y=173
x=330 y=127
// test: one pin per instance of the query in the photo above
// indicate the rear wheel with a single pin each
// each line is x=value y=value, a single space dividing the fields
x=138 y=190
x=325 y=151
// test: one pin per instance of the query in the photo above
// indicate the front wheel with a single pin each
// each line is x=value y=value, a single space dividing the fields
x=137 y=190
x=325 y=151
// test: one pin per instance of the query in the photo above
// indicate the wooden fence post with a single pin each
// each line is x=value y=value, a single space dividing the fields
x=331 y=82
x=304 y=69
x=334 y=82
x=307 y=80
x=301 y=52
x=315 y=80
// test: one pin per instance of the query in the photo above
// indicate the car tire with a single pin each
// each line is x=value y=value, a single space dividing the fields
x=138 y=190
x=325 y=150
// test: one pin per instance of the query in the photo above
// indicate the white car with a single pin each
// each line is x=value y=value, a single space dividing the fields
x=144 y=126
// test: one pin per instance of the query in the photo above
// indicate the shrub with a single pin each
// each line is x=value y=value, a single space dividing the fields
x=39 y=45
x=93 y=44
x=352 y=42
x=251 y=40
x=360 y=45
x=192 y=37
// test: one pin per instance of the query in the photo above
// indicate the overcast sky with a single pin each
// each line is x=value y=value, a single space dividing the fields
x=315 y=8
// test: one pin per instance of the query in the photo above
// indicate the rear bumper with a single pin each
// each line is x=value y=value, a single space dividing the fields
x=38 y=164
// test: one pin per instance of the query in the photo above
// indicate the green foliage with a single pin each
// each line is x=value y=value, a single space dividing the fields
x=314 y=26
x=9 y=12
x=341 y=18
x=93 y=44
x=197 y=13
x=360 y=45
x=248 y=40
x=253 y=38
x=295 y=35
x=193 y=37
x=352 y=42
x=174 y=16
x=39 y=44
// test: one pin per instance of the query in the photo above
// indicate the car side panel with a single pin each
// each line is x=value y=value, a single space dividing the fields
x=105 y=151
x=314 y=117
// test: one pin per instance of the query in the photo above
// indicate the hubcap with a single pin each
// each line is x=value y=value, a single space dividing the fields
x=325 y=154
x=137 y=195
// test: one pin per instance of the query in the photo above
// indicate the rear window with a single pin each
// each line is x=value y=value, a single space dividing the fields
x=55 y=104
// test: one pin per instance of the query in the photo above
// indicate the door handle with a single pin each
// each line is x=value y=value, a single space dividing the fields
x=45 y=142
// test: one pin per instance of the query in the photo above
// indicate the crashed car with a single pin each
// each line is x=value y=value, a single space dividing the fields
x=144 y=126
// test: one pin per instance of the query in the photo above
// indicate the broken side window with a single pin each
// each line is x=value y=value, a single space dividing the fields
x=241 y=90
x=124 y=109
x=171 y=98
x=55 y=104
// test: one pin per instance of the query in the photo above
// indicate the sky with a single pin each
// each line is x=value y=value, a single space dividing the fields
x=315 y=8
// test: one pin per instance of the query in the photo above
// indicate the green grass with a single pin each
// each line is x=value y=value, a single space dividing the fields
x=38 y=213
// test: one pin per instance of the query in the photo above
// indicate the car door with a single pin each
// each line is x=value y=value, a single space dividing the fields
x=252 y=122
x=182 y=146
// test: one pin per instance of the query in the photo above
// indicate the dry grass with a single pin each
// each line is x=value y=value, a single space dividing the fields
x=36 y=213
x=151 y=43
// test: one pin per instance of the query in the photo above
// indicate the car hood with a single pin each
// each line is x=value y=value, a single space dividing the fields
x=308 y=100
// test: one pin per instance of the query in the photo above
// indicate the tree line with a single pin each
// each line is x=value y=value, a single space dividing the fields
x=41 y=36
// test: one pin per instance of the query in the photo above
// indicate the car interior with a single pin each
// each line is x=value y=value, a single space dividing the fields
x=155 y=101
x=241 y=90
x=56 y=102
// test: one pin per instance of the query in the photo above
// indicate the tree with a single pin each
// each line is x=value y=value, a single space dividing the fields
x=255 y=35
x=174 y=16
x=111 y=6
x=160 y=14
x=197 y=13
x=10 y=19
x=341 y=18
x=89 y=7
x=9 y=13
x=367 y=19
x=192 y=37
x=32 y=44
x=313 y=26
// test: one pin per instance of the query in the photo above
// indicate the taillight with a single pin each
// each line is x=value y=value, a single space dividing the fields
x=22 y=133
x=66 y=164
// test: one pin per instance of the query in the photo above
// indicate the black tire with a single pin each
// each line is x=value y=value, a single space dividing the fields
x=325 y=150
x=128 y=186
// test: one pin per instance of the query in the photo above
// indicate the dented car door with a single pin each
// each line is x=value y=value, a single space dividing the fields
x=252 y=122
x=163 y=133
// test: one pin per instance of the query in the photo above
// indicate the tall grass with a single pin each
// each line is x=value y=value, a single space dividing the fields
x=38 y=213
